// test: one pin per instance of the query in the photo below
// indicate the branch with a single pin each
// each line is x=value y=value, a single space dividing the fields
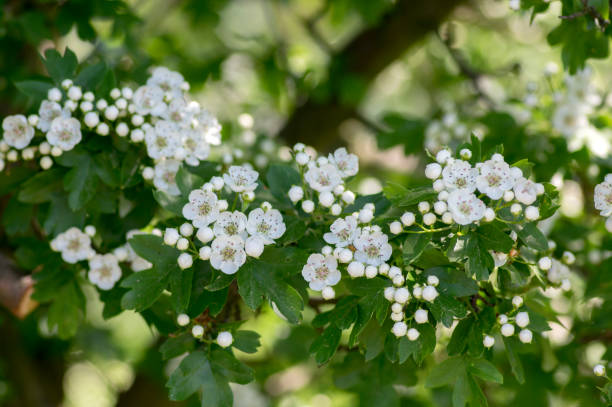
x=15 y=289
x=316 y=121
x=590 y=11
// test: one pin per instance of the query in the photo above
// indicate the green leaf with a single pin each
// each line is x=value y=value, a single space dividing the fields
x=414 y=245
x=533 y=237
x=326 y=344
x=445 y=373
x=180 y=287
x=403 y=197
x=479 y=261
x=41 y=186
x=406 y=348
x=16 y=217
x=170 y=203
x=246 y=341
x=266 y=277
x=280 y=178
x=459 y=338
x=60 y=67
x=515 y=361
x=446 y=308
x=491 y=237
x=579 y=42
x=36 y=90
x=461 y=391
x=81 y=184
x=177 y=345
x=66 y=310
x=145 y=288
x=196 y=375
x=426 y=342
x=91 y=76
x=187 y=181
x=485 y=370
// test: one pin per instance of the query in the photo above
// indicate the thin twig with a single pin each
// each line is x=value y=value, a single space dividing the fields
x=588 y=10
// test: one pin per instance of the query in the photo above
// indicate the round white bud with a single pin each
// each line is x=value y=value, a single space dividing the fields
x=502 y=319
x=433 y=280
x=115 y=93
x=222 y=204
x=395 y=227
x=186 y=229
x=399 y=329
x=66 y=83
x=440 y=207
x=417 y=291
x=568 y=257
x=171 y=236
x=516 y=209
x=488 y=341
x=429 y=219
x=396 y=307
x=599 y=370
x=489 y=215
x=295 y=193
x=398 y=280
x=56 y=151
x=111 y=112
x=443 y=156
x=225 y=339
x=365 y=215
x=339 y=189
x=54 y=95
x=383 y=269
x=371 y=271
x=447 y=218
x=508 y=196
x=328 y=293
x=205 y=252
x=465 y=154
x=545 y=263
x=408 y=219
x=522 y=319
x=121 y=104
x=507 y=329
x=122 y=129
x=308 y=206
x=44 y=148
x=397 y=316
x=75 y=93
x=148 y=173
x=430 y=293
x=91 y=119
x=517 y=301
x=413 y=334
x=137 y=135
x=197 y=331
x=345 y=256
x=424 y=207
x=433 y=170
x=525 y=336
x=336 y=209
x=389 y=293
x=356 y=269
x=401 y=295
x=326 y=199
x=348 y=197
x=326 y=250
x=183 y=319
x=302 y=158
x=102 y=129
x=420 y=316
x=254 y=246
x=185 y=260
x=46 y=162
x=394 y=271
x=182 y=244
x=532 y=213
x=205 y=235
x=438 y=185
x=90 y=230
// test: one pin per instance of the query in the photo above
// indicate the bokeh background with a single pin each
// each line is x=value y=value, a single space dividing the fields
x=370 y=74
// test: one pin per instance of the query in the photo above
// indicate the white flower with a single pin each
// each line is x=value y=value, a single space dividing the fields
x=162 y=140
x=372 y=246
x=165 y=176
x=321 y=271
x=268 y=225
x=495 y=178
x=526 y=191
x=343 y=232
x=17 y=131
x=569 y=118
x=208 y=125
x=347 y=164
x=149 y=99
x=465 y=207
x=104 y=271
x=167 y=80
x=196 y=147
x=230 y=224
x=227 y=254
x=73 y=244
x=47 y=112
x=603 y=197
x=64 y=133
x=557 y=271
x=254 y=246
x=201 y=209
x=459 y=174
x=241 y=178
x=323 y=178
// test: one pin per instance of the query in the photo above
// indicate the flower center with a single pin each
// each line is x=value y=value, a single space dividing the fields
x=228 y=253
x=322 y=272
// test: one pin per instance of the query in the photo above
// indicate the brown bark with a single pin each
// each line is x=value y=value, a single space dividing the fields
x=15 y=289
x=316 y=121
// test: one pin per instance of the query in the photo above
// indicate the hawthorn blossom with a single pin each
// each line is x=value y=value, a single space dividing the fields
x=47 y=112
x=527 y=191
x=372 y=246
x=495 y=177
x=227 y=254
x=347 y=164
x=73 y=244
x=162 y=140
x=17 y=131
x=343 y=232
x=202 y=208
x=569 y=118
x=64 y=133
x=603 y=196
x=322 y=178
x=321 y=271
x=268 y=224
x=459 y=174
x=206 y=123
x=149 y=99
x=165 y=176
x=196 y=147
x=168 y=81
x=104 y=271
x=230 y=224
x=241 y=178
x=465 y=207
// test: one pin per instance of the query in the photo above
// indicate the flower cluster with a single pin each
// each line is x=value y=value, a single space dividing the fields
x=75 y=246
x=362 y=247
x=231 y=233
x=158 y=114
x=449 y=130
x=603 y=200
x=325 y=177
x=456 y=182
